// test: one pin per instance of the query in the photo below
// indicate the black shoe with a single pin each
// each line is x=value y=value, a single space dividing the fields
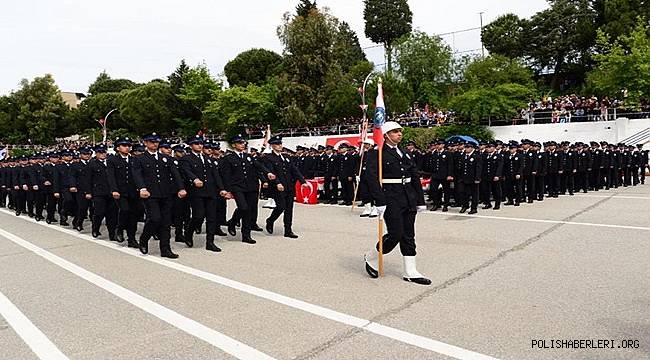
x=471 y=212
x=169 y=255
x=133 y=244
x=119 y=237
x=463 y=210
x=435 y=208
x=290 y=234
x=31 y=215
x=212 y=247
x=420 y=281
x=445 y=209
x=38 y=218
x=78 y=228
x=496 y=207
x=248 y=240
x=63 y=223
x=347 y=203
x=269 y=227
x=517 y=204
x=18 y=213
x=179 y=237
x=232 y=230
x=96 y=234
x=509 y=203
x=189 y=241
x=487 y=206
x=143 y=246
x=111 y=237
x=220 y=232
x=49 y=220
x=530 y=201
x=256 y=227
x=198 y=230
x=372 y=272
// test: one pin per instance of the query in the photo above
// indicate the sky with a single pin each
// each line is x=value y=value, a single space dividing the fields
x=145 y=39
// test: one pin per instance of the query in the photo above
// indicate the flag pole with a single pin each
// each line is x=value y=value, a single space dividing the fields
x=380 y=173
x=364 y=135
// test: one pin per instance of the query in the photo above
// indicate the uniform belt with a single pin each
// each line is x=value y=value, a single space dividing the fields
x=402 y=181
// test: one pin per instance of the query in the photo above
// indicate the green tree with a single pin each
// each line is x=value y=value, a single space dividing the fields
x=200 y=87
x=619 y=17
x=346 y=48
x=96 y=107
x=425 y=63
x=255 y=66
x=104 y=83
x=624 y=65
x=41 y=109
x=177 y=78
x=505 y=36
x=150 y=107
x=499 y=102
x=496 y=70
x=387 y=21
x=240 y=106
x=12 y=130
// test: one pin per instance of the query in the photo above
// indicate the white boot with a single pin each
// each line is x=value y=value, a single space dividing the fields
x=270 y=204
x=372 y=263
x=366 y=211
x=373 y=212
x=411 y=273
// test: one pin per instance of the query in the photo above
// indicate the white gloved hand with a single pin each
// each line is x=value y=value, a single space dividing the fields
x=358 y=178
x=381 y=210
x=422 y=208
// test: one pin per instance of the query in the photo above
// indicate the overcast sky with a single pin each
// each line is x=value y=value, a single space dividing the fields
x=141 y=40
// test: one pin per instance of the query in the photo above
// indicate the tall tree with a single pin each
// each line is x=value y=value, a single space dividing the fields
x=199 y=87
x=41 y=109
x=104 y=83
x=305 y=7
x=150 y=107
x=505 y=36
x=387 y=21
x=346 y=48
x=619 y=17
x=12 y=130
x=497 y=70
x=253 y=66
x=240 y=106
x=177 y=78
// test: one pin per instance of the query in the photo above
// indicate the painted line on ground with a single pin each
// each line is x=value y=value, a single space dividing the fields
x=323 y=312
x=31 y=335
x=209 y=335
x=614 y=196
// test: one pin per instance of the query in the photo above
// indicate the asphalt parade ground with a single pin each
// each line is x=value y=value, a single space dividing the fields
x=511 y=284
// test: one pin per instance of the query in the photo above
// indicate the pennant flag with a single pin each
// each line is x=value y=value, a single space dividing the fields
x=380 y=117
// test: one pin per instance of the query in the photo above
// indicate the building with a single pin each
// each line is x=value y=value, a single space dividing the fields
x=72 y=99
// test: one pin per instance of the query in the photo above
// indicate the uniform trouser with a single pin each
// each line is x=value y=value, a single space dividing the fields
x=129 y=211
x=491 y=189
x=204 y=208
x=105 y=207
x=582 y=182
x=627 y=175
x=468 y=191
x=66 y=205
x=331 y=189
x=3 y=197
x=283 y=204
x=513 y=190
x=50 y=206
x=21 y=200
x=642 y=174
x=400 y=225
x=255 y=209
x=595 y=182
x=181 y=215
x=347 y=189
x=567 y=182
x=38 y=197
x=540 y=186
x=221 y=211
x=245 y=202
x=30 y=198
x=159 y=219
x=364 y=191
x=635 y=175
x=612 y=178
x=530 y=187
x=438 y=194
x=82 y=208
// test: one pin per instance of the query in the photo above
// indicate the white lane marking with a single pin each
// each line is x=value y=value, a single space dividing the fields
x=505 y=218
x=350 y=320
x=31 y=335
x=213 y=337
x=614 y=196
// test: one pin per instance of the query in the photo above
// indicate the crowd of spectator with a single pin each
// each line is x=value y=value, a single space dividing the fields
x=570 y=108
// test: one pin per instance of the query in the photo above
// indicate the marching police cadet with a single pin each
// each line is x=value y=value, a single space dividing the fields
x=634 y=164
x=540 y=177
x=613 y=175
x=82 y=202
x=470 y=178
x=584 y=166
x=440 y=164
x=21 y=185
x=491 y=178
x=628 y=164
x=369 y=210
x=65 y=187
x=595 y=182
x=400 y=199
x=345 y=173
x=123 y=191
x=181 y=207
x=49 y=170
x=3 y=185
x=96 y=187
x=514 y=170
x=530 y=172
x=553 y=169
x=241 y=177
x=457 y=150
x=157 y=181
x=569 y=165
x=331 y=184
x=643 y=161
x=282 y=186
x=415 y=153
x=206 y=187
x=222 y=205
x=37 y=189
